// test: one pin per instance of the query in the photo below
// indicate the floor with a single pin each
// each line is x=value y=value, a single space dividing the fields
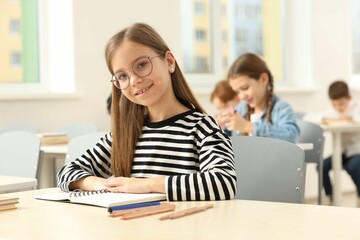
x=349 y=199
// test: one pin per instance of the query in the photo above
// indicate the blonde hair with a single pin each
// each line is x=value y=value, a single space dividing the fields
x=253 y=66
x=128 y=117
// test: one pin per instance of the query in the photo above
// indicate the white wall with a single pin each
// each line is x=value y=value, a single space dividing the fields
x=97 y=21
x=94 y=23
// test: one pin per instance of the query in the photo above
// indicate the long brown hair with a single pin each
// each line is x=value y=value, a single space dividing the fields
x=253 y=66
x=128 y=117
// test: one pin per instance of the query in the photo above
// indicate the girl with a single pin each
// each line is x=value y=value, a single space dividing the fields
x=161 y=140
x=260 y=113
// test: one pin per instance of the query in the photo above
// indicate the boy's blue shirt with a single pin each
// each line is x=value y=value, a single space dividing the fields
x=284 y=125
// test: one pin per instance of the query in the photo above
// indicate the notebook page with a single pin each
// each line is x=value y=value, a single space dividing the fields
x=109 y=199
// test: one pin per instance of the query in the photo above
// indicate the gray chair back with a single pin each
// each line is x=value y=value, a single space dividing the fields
x=78 y=145
x=77 y=129
x=313 y=133
x=269 y=169
x=19 y=154
x=26 y=127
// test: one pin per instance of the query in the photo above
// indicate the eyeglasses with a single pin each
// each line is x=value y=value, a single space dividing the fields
x=142 y=67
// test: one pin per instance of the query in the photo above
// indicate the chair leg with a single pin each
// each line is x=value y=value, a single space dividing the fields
x=320 y=174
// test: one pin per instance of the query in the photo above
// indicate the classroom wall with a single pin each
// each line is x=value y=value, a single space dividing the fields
x=96 y=21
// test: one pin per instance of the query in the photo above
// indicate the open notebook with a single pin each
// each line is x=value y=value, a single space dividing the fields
x=103 y=198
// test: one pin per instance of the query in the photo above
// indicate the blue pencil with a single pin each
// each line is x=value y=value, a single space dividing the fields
x=131 y=206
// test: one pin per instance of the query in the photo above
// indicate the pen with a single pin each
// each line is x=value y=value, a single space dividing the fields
x=131 y=206
x=186 y=212
x=120 y=213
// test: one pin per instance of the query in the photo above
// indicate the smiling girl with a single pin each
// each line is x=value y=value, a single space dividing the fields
x=161 y=139
x=261 y=112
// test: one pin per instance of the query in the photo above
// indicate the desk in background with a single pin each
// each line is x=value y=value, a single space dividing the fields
x=52 y=158
x=306 y=146
x=336 y=131
x=235 y=219
x=12 y=184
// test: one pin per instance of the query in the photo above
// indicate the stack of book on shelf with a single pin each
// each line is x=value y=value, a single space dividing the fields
x=52 y=138
x=8 y=202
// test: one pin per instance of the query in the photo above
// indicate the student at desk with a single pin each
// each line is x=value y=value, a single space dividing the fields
x=261 y=112
x=162 y=141
x=224 y=99
x=344 y=109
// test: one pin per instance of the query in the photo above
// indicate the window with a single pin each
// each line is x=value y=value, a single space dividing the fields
x=201 y=65
x=355 y=20
x=233 y=27
x=19 y=51
x=15 y=60
x=29 y=52
x=199 y=8
x=200 y=35
x=14 y=26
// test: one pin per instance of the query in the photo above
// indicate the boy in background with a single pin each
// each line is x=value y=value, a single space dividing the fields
x=344 y=110
x=224 y=99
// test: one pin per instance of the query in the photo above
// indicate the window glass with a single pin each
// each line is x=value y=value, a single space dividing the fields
x=29 y=37
x=356 y=36
x=18 y=44
x=229 y=28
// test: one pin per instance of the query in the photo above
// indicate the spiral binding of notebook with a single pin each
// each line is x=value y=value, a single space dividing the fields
x=81 y=193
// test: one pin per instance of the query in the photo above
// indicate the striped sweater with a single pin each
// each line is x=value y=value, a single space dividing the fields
x=190 y=149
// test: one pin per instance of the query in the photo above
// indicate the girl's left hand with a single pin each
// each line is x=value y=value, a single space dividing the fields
x=235 y=122
x=135 y=185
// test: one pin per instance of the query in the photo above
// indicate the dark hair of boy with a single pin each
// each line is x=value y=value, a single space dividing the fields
x=338 y=89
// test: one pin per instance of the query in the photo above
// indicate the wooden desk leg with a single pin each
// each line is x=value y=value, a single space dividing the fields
x=337 y=166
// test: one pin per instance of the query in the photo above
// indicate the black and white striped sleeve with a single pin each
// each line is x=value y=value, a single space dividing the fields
x=94 y=162
x=216 y=179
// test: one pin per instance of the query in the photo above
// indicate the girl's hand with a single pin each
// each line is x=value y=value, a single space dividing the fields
x=235 y=122
x=345 y=117
x=222 y=116
x=135 y=185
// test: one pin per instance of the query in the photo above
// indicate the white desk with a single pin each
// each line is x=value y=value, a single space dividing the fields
x=235 y=219
x=12 y=184
x=336 y=131
x=60 y=149
x=306 y=146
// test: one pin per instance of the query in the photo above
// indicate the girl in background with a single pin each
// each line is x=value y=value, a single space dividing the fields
x=261 y=112
x=161 y=139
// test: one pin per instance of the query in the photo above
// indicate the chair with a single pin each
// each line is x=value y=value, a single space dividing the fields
x=27 y=127
x=269 y=169
x=78 y=145
x=313 y=133
x=77 y=129
x=19 y=154
x=299 y=115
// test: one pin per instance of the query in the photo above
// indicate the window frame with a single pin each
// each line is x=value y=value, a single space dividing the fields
x=56 y=65
x=203 y=83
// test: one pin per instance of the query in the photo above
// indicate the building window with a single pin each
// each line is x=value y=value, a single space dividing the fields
x=200 y=35
x=15 y=60
x=199 y=8
x=201 y=65
x=15 y=26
